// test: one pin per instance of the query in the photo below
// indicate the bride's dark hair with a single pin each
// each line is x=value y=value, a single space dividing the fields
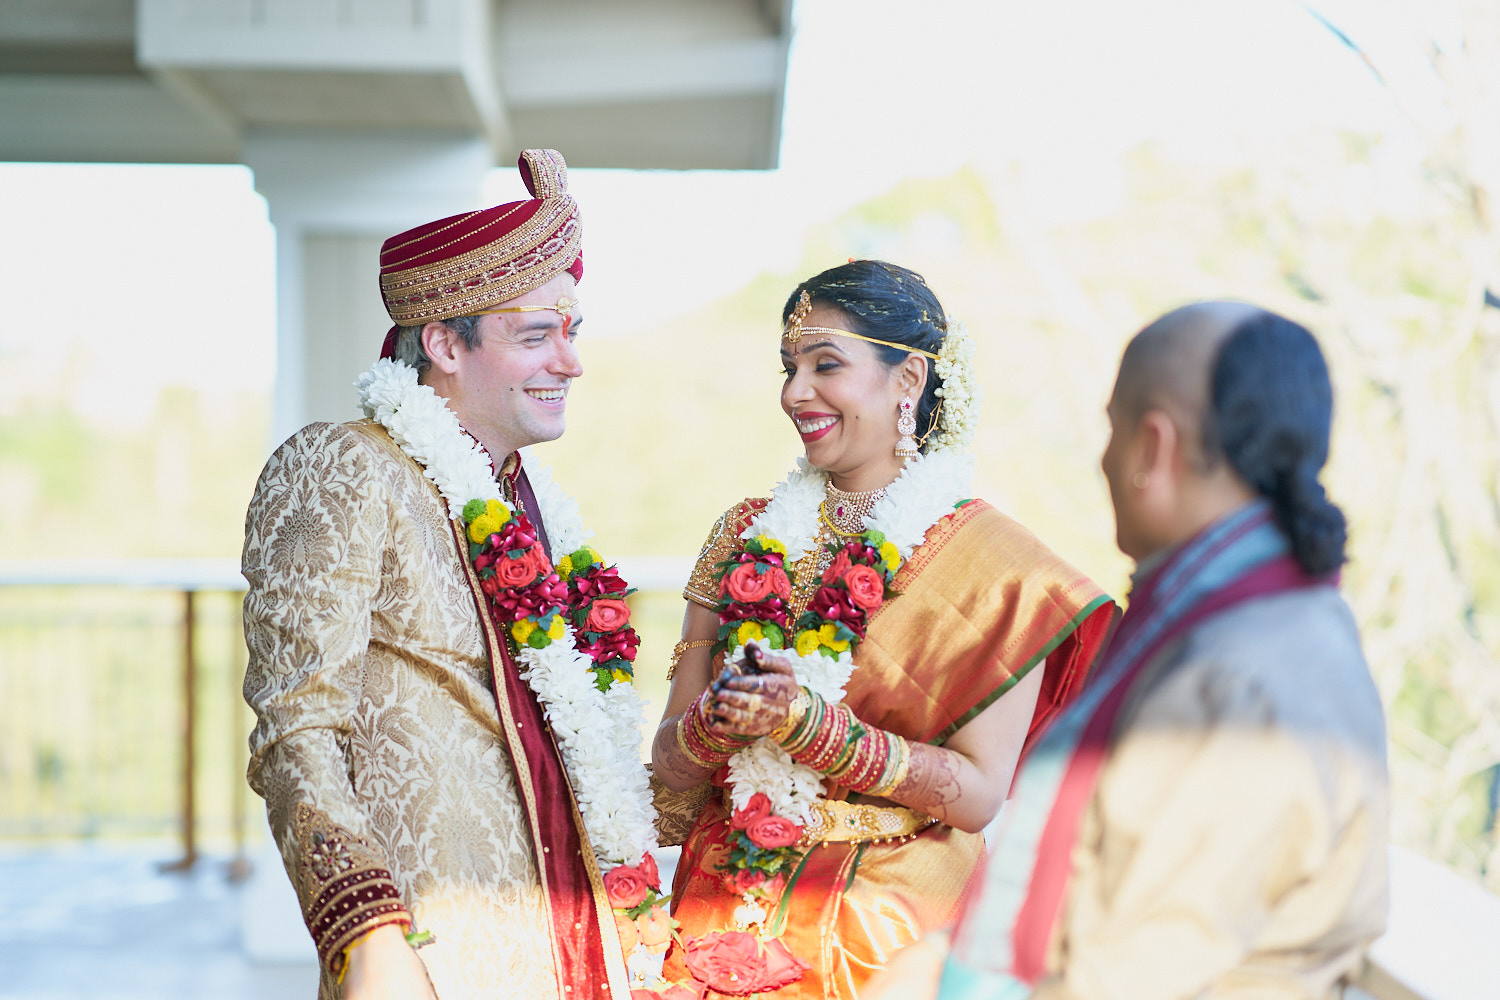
x=886 y=302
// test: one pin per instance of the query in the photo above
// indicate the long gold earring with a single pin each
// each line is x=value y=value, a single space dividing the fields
x=906 y=426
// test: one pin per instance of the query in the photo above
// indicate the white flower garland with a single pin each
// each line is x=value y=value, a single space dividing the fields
x=608 y=777
x=925 y=491
x=960 y=393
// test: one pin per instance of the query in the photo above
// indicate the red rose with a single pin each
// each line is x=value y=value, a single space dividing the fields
x=866 y=587
x=758 y=808
x=772 y=832
x=625 y=886
x=607 y=614
x=781 y=585
x=730 y=961
x=837 y=568
x=746 y=585
x=782 y=967
x=648 y=868
x=516 y=572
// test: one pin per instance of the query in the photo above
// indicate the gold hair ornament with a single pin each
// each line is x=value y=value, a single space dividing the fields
x=564 y=308
x=795 y=330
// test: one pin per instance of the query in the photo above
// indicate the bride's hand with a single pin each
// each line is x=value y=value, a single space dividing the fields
x=754 y=704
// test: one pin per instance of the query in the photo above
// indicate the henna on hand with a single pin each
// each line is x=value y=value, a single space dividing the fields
x=752 y=705
x=931 y=782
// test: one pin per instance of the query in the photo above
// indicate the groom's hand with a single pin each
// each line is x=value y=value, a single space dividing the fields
x=384 y=967
x=755 y=704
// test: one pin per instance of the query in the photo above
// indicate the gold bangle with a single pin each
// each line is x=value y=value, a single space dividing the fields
x=682 y=721
x=681 y=648
x=795 y=713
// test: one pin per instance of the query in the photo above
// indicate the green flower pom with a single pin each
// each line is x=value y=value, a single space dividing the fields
x=875 y=538
x=473 y=509
x=538 y=639
x=777 y=637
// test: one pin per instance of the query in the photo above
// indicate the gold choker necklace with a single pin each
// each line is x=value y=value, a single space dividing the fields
x=846 y=512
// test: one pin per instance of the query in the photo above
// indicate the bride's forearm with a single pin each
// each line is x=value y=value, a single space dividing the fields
x=670 y=762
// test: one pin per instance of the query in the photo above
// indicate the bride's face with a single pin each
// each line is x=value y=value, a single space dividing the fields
x=842 y=399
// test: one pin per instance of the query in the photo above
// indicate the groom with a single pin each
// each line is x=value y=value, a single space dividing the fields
x=413 y=786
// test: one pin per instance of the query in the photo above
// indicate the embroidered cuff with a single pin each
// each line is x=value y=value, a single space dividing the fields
x=344 y=886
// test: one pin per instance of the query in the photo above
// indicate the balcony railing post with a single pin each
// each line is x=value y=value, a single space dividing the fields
x=189 y=733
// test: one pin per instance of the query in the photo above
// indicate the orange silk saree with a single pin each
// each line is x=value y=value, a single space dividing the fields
x=981 y=603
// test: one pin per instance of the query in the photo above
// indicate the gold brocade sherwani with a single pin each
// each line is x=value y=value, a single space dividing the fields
x=379 y=748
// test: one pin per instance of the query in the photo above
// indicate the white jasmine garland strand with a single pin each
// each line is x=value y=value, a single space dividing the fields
x=922 y=495
x=960 y=392
x=608 y=777
x=428 y=432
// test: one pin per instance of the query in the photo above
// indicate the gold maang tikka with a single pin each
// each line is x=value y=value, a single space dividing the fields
x=795 y=330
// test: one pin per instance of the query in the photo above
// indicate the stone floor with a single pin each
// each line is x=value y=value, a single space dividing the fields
x=102 y=921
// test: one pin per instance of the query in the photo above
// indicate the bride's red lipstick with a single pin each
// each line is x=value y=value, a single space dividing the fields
x=811 y=436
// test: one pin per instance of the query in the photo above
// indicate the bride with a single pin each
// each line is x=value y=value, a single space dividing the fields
x=865 y=655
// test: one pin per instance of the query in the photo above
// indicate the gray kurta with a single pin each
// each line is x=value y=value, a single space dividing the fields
x=1236 y=843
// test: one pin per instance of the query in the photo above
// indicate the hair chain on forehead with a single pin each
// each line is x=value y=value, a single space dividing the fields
x=795 y=330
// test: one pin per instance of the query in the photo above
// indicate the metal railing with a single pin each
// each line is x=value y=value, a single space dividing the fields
x=120 y=695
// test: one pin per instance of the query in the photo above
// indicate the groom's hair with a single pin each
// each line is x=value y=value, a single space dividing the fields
x=409 y=340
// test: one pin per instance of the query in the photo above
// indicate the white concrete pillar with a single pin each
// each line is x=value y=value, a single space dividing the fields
x=334 y=197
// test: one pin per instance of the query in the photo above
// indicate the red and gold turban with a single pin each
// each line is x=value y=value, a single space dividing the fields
x=468 y=263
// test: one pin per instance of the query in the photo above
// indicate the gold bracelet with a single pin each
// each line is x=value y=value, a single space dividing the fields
x=681 y=648
x=795 y=713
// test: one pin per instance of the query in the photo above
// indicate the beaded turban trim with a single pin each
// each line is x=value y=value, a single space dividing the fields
x=468 y=263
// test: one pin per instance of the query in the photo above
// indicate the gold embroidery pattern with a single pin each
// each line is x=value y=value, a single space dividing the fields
x=702 y=588
x=372 y=686
x=527 y=258
x=676 y=812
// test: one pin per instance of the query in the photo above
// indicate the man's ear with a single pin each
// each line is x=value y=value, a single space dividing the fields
x=1158 y=442
x=442 y=346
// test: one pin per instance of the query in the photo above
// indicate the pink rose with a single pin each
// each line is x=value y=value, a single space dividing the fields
x=746 y=585
x=607 y=614
x=744 y=880
x=625 y=886
x=758 y=808
x=782 y=967
x=734 y=962
x=771 y=832
x=866 y=587
x=729 y=961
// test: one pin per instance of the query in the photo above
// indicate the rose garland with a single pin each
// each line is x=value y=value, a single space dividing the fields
x=574 y=644
x=772 y=794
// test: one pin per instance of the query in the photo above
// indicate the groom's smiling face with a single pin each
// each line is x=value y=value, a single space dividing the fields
x=512 y=388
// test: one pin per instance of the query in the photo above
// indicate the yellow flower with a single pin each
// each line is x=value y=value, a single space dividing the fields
x=492 y=520
x=620 y=675
x=891 y=555
x=807 y=641
x=522 y=629
x=771 y=544
x=748 y=631
x=555 y=630
x=565 y=567
x=826 y=637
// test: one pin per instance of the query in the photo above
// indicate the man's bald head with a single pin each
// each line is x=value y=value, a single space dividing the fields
x=1216 y=404
x=1169 y=366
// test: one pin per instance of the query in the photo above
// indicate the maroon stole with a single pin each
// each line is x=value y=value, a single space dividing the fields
x=585 y=945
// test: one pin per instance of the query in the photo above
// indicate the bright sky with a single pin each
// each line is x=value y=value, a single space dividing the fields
x=131 y=278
